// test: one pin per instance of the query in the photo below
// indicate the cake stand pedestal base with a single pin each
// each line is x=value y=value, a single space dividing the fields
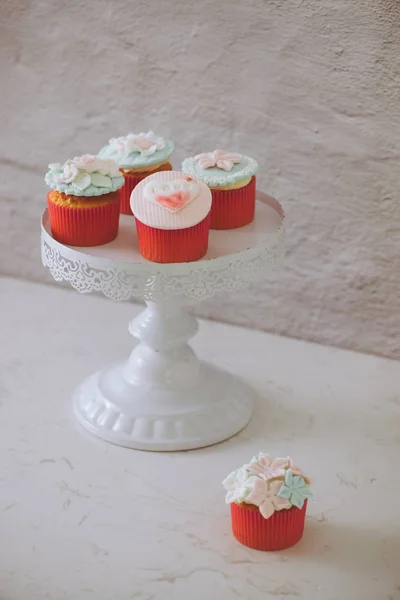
x=163 y=398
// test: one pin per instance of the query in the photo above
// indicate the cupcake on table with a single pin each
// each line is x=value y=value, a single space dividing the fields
x=231 y=178
x=138 y=155
x=172 y=213
x=268 y=499
x=84 y=202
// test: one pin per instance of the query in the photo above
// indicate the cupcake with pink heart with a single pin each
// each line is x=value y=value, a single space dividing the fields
x=172 y=213
x=138 y=155
x=231 y=178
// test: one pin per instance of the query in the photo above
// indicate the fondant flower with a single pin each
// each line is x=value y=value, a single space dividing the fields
x=266 y=496
x=296 y=470
x=218 y=158
x=295 y=489
x=86 y=159
x=68 y=174
x=237 y=485
x=90 y=164
x=268 y=467
x=144 y=143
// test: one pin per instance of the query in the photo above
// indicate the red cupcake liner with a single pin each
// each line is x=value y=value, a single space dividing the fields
x=233 y=208
x=131 y=181
x=282 y=530
x=173 y=246
x=88 y=226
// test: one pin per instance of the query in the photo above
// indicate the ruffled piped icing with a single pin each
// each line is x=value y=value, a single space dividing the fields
x=137 y=150
x=220 y=168
x=272 y=484
x=86 y=175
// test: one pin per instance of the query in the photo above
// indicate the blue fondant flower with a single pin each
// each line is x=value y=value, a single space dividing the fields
x=295 y=489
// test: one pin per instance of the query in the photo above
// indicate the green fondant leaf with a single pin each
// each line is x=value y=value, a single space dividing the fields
x=82 y=181
x=306 y=493
x=289 y=478
x=297 y=500
x=101 y=180
x=284 y=492
x=298 y=482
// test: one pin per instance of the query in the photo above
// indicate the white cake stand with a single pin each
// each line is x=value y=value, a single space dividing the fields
x=163 y=397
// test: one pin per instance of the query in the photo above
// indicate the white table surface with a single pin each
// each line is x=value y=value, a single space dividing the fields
x=82 y=519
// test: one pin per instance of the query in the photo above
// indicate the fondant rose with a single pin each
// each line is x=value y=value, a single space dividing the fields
x=68 y=174
x=145 y=144
x=85 y=175
x=218 y=158
x=90 y=163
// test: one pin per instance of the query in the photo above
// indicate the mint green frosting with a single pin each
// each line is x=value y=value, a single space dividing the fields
x=216 y=177
x=85 y=175
x=135 y=151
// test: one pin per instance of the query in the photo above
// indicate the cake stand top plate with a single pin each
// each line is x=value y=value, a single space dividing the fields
x=234 y=259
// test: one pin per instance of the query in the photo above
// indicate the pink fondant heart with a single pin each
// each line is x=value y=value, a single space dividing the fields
x=171 y=195
x=175 y=201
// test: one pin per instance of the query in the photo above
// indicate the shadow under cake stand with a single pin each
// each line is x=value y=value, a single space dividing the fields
x=163 y=397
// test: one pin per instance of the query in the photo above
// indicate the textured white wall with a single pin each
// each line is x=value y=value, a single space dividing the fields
x=309 y=88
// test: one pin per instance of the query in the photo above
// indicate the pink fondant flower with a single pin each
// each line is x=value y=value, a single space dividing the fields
x=264 y=495
x=143 y=142
x=68 y=175
x=86 y=162
x=218 y=158
x=86 y=159
x=268 y=467
x=89 y=163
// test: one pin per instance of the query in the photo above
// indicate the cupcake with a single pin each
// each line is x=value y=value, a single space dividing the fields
x=268 y=499
x=84 y=202
x=231 y=178
x=138 y=155
x=172 y=213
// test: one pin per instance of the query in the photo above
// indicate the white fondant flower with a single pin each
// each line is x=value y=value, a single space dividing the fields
x=237 y=485
x=264 y=495
x=218 y=158
x=144 y=143
x=68 y=175
x=85 y=161
x=268 y=467
x=90 y=164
